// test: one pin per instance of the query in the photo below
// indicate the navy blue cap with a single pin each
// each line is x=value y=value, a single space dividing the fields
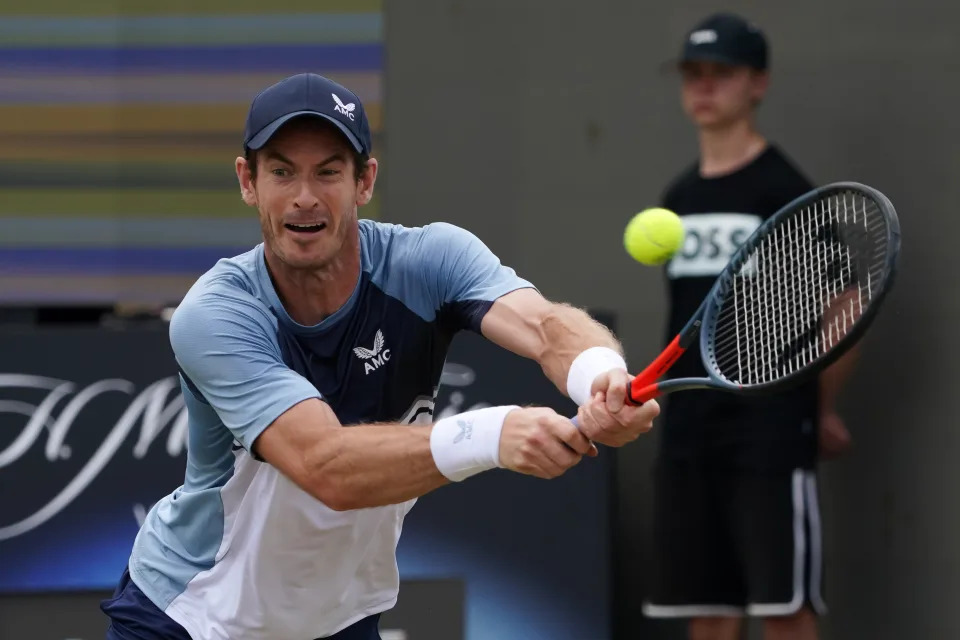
x=307 y=94
x=726 y=38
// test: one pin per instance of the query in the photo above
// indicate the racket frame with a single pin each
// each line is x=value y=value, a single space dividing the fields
x=645 y=387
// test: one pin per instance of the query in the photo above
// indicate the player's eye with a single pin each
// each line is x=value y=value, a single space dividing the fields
x=329 y=172
x=280 y=172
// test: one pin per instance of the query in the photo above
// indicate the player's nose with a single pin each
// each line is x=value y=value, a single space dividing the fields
x=306 y=199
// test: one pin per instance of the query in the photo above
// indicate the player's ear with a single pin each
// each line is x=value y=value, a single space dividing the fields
x=366 y=182
x=245 y=178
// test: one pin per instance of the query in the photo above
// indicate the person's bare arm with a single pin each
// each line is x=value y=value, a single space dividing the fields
x=370 y=465
x=350 y=467
x=834 y=438
x=553 y=334
x=556 y=336
x=835 y=377
x=839 y=317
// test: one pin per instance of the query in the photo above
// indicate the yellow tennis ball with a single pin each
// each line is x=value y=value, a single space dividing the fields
x=653 y=236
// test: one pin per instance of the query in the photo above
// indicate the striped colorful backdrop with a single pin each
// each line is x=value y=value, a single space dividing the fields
x=120 y=122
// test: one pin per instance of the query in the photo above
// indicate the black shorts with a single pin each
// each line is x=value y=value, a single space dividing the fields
x=734 y=542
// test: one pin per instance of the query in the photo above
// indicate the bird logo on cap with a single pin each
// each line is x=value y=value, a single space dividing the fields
x=345 y=109
x=703 y=36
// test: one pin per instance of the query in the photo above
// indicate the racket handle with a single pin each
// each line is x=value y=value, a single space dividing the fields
x=637 y=398
x=645 y=382
x=637 y=395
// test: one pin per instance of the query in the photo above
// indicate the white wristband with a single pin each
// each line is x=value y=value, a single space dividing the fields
x=585 y=369
x=468 y=443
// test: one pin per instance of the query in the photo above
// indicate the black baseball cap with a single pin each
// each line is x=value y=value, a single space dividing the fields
x=728 y=39
x=307 y=94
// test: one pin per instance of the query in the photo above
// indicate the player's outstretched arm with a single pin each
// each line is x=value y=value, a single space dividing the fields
x=579 y=355
x=354 y=467
x=349 y=468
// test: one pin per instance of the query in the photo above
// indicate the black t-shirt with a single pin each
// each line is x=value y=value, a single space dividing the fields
x=719 y=213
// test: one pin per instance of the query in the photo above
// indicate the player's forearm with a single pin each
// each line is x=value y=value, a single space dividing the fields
x=364 y=466
x=566 y=333
x=555 y=335
x=370 y=465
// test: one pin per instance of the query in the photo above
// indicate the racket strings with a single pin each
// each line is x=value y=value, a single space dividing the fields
x=801 y=290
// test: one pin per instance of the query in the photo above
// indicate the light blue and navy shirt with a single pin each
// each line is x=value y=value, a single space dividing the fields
x=239 y=551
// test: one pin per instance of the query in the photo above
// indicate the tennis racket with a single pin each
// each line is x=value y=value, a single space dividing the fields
x=796 y=295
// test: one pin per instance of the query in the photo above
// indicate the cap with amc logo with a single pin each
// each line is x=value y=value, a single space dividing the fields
x=728 y=39
x=307 y=94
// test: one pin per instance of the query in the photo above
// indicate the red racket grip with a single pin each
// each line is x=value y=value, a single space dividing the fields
x=643 y=387
x=644 y=394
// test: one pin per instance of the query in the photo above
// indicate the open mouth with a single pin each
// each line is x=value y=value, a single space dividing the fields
x=306 y=228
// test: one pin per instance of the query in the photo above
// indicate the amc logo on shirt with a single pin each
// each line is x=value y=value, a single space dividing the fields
x=710 y=241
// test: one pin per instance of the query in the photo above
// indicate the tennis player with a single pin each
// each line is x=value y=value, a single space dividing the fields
x=736 y=518
x=309 y=368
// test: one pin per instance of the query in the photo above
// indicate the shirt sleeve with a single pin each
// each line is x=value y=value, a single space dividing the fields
x=462 y=275
x=224 y=342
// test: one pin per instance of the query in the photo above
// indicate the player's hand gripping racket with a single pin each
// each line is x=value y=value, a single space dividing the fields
x=798 y=293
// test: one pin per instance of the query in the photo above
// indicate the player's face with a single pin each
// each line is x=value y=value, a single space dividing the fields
x=717 y=95
x=306 y=192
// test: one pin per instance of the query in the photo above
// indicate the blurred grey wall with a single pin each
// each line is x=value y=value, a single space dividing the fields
x=543 y=125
